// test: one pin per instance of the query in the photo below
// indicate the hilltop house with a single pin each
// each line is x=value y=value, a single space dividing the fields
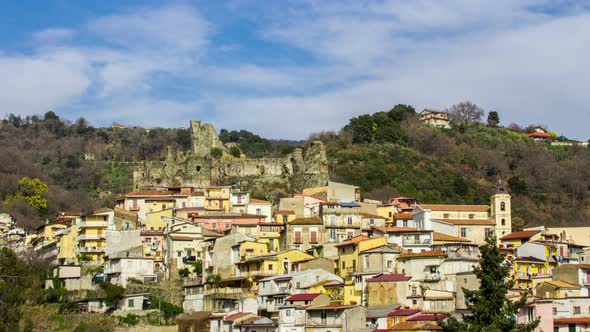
x=434 y=117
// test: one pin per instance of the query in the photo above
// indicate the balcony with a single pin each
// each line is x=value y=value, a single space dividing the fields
x=259 y=274
x=95 y=224
x=432 y=277
x=226 y=292
x=523 y=276
x=416 y=242
x=85 y=237
x=89 y=249
x=189 y=259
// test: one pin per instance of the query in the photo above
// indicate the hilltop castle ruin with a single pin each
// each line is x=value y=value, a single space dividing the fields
x=302 y=168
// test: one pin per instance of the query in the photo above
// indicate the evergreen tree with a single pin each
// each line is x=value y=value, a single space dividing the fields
x=493 y=119
x=489 y=307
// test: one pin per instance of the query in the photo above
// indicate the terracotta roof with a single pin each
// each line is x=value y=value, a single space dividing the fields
x=540 y=135
x=259 y=201
x=427 y=317
x=561 y=284
x=354 y=240
x=436 y=236
x=455 y=207
x=416 y=326
x=160 y=198
x=182 y=238
x=467 y=221
x=432 y=110
x=125 y=212
x=237 y=316
x=147 y=193
x=284 y=212
x=572 y=320
x=191 y=208
x=389 y=277
x=431 y=253
x=403 y=312
x=519 y=235
x=529 y=259
x=395 y=229
x=230 y=216
x=306 y=221
x=332 y=306
x=303 y=297
x=403 y=215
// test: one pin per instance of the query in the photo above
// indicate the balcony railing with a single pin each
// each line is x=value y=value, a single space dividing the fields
x=97 y=224
x=259 y=274
x=432 y=277
x=89 y=249
x=523 y=276
x=83 y=237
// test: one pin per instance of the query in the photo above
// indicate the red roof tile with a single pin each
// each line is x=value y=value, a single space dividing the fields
x=389 y=277
x=540 y=135
x=303 y=297
x=427 y=317
x=403 y=312
x=572 y=320
x=284 y=212
x=259 y=201
x=403 y=216
x=519 y=235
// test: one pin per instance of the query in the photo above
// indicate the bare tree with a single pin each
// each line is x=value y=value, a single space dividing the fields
x=465 y=113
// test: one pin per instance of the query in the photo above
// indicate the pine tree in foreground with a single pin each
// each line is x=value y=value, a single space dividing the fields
x=490 y=309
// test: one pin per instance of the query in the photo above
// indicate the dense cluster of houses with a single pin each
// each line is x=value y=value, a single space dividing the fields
x=321 y=260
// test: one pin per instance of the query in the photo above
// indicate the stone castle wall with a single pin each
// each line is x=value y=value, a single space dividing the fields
x=197 y=169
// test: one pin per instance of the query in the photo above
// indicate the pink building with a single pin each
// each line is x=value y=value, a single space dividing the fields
x=538 y=308
x=223 y=223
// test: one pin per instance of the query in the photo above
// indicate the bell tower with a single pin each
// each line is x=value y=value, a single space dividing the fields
x=500 y=210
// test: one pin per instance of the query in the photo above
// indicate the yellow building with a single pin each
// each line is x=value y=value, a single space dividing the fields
x=218 y=199
x=535 y=263
x=348 y=263
x=270 y=233
x=154 y=222
x=284 y=216
x=387 y=211
x=67 y=244
x=92 y=234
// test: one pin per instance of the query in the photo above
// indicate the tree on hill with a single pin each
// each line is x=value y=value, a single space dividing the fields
x=465 y=113
x=493 y=119
x=490 y=309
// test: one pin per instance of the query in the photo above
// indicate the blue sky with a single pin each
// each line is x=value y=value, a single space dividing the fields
x=286 y=69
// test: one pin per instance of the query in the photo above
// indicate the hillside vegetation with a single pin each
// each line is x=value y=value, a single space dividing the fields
x=386 y=154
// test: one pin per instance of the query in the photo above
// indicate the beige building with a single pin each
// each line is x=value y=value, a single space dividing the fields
x=433 y=117
x=304 y=233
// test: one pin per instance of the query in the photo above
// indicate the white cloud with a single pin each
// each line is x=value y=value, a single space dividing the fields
x=53 y=36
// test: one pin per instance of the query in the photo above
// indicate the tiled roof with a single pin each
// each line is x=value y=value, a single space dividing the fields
x=403 y=216
x=395 y=229
x=529 y=259
x=332 y=306
x=389 y=277
x=306 y=221
x=259 y=201
x=416 y=326
x=125 y=212
x=455 y=207
x=519 y=235
x=436 y=236
x=288 y=212
x=238 y=316
x=432 y=110
x=572 y=320
x=561 y=284
x=467 y=221
x=540 y=135
x=427 y=317
x=354 y=240
x=431 y=253
x=303 y=297
x=230 y=216
x=403 y=312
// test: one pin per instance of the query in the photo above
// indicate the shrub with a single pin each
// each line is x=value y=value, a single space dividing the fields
x=235 y=151
x=216 y=153
x=129 y=320
x=68 y=307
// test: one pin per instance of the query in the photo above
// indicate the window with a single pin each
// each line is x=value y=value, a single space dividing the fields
x=446 y=216
x=297 y=236
x=280 y=300
x=390 y=215
x=332 y=233
x=577 y=311
x=414 y=302
x=285 y=219
x=313 y=236
x=463 y=232
x=288 y=313
x=531 y=314
x=414 y=291
x=130 y=303
x=389 y=264
x=343 y=266
x=270 y=267
x=554 y=311
x=179 y=253
x=471 y=216
x=503 y=222
x=372 y=221
x=488 y=231
x=349 y=220
x=502 y=206
x=258 y=211
x=298 y=285
x=405 y=223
